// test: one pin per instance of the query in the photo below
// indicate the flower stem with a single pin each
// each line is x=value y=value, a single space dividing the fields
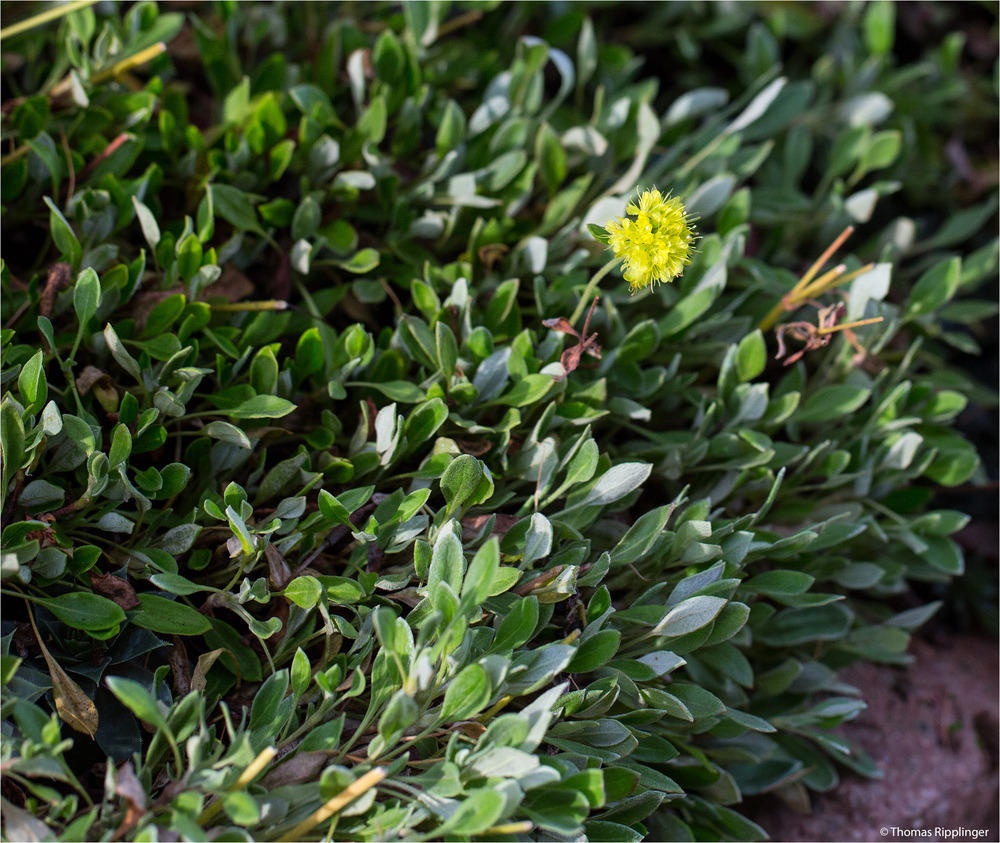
x=341 y=800
x=591 y=286
x=803 y=290
x=848 y=325
x=44 y=17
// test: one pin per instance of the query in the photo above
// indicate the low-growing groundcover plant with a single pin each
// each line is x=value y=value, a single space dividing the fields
x=350 y=492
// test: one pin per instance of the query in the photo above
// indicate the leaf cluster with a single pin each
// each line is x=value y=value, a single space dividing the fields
x=307 y=530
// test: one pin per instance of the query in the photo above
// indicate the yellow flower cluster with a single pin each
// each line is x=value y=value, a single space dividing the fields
x=656 y=246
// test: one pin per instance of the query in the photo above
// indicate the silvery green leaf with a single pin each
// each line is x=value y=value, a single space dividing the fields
x=871 y=286
x=114 y=522
x=617 y=482
x=40 y=493
x=694 y=103
x=121 y=355
x=147 y=221
x=868 y=109
x=758 y=105
x=586 y=139
x=711 y=195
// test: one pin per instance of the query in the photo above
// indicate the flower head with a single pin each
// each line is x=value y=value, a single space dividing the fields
x=656 y=245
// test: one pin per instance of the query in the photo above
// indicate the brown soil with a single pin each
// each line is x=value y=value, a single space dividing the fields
x=932 y=729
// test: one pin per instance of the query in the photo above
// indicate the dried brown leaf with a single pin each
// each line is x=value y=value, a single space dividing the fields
x=60 y=275
x=232 y=285
x=73 y=706
x=280 y=573
x=116 y=589
x=303 y=767
x=560 y=323
x=177 y=658
x=129 y=788
x=88 y=377
x=205 y=661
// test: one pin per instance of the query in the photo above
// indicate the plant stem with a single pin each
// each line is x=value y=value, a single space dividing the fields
x=341 y=800
x=44 y=17
x=800 y=292
x=591 y=286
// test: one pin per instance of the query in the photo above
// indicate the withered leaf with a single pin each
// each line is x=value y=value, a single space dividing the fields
x=60 y=275
x=19 y=824
x=88 y=377
x=129 y=788
x=474 y=447
x=232 y=285
x=73 y=706
x=142 y=303
x=474 y=523
x=177 y=658
x=570 y=358
x=199 y=679
x=116 y=589
x=280 y=572
x=303 y=767
x=560 y=323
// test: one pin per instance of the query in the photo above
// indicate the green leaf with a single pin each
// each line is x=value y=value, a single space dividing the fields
x=687 y=310
x=751 y=356
x=780 y=582
x=121 y=446
x=86 y=294
x=41 y=494
x=537 y=540
x=616 y=483
x=463 y=482
x=83 y=610
x=147 y=222
x=690 y=615
x=32 y=385
x=551 y=158
x=528 y=390
x=879 y=26
x=388 y=57
x=121 y=355
x=811 y=623
x=478 y=811
x=596 y=651
x=361 y=262
x=372 y=123
x=137 y=699
x=176 y=584
x=304 y=591
x=447 y=350
x=226 y=432
x=260 y=407
x=309 y=353
x=236 y=207
x=467 y=694
x=63 y=235
x=518 y=626
x=447 y=563
x=169 y=617
x=424 y=421
x=935 y=287
x=641 y=536
x=598 y=232
x=477 y=584
x=451 y=130
x=831 y=402
x=300 y=673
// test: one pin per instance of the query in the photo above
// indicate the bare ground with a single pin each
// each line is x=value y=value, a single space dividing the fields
x=932 y=729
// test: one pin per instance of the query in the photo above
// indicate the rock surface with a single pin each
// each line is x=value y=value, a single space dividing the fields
x=932 y=729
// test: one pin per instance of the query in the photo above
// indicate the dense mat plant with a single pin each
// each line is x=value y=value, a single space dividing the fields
x=308 y=532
